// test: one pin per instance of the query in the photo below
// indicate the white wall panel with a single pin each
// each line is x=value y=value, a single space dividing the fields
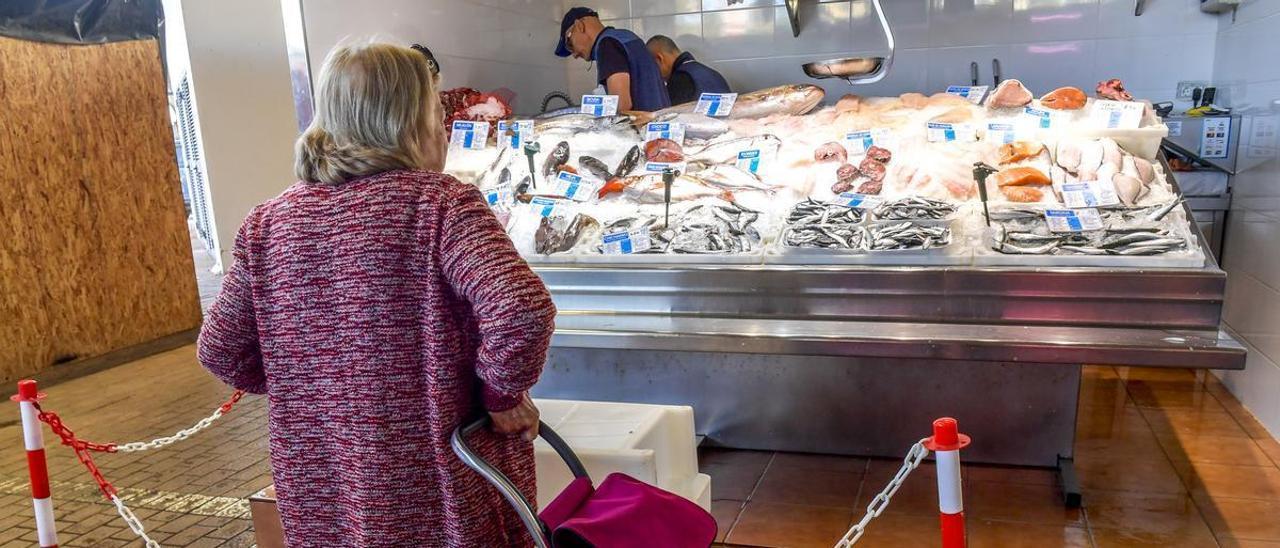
x=1245 y=64
x=954 y=23
x=1051 y=20
x=484 y=45
x=1160 y=18
x=951 y=66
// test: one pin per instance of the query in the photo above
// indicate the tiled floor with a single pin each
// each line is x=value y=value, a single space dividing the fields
x=1167 y=458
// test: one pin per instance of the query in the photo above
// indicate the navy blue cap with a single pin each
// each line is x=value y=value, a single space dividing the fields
x=571 y=17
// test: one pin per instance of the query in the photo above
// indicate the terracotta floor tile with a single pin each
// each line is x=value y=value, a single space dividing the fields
x=1135 y=517
x=1123 y=473
x=1241 y=518
x=1009 y=474
x=1198 y=398
x=1228 y=542
x=1221 y=480
x=1127 y=538
x=1040 y=504
x=1164 y=374
x=1110 y=422
x=731 y=483
x=808 y=487
x=1272 y=449
x=1099 y=372
x=1103 y=392
x=1215 y=450
x=789 y=525
x=918 y=495
x=1193 y=422
x=734 y=457
x=819 y=462
x=999 y=534
x=897 y=531
x=726 y=513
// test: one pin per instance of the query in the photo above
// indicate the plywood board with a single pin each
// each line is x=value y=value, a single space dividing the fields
x=94 y=250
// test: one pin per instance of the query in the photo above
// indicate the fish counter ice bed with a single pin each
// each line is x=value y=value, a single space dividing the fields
x=826 y=280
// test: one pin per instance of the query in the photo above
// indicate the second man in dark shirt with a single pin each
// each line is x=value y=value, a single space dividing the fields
x=686 y=78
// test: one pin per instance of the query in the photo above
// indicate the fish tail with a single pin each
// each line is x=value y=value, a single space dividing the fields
x=610 y=187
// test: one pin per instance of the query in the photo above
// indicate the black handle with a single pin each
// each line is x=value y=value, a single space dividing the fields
x=995 y=71
x=973 y=73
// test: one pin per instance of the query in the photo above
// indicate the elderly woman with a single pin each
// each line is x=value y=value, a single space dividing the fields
x=378 y=304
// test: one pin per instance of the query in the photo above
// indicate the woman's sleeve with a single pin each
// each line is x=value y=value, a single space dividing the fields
x=510 y=303
x=228 y=345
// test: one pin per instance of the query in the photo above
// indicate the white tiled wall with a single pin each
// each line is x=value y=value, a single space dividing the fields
x=485 y=44
x=1247 y=70
x=1045 y=43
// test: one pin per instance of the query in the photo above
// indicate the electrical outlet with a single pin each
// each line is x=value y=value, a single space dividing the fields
x=1185 y=88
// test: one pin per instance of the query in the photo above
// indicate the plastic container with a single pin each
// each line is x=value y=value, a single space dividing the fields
x=652 y=443
x=1191 y=256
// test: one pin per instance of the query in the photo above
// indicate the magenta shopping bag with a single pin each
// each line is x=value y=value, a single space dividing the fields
x=624 y=512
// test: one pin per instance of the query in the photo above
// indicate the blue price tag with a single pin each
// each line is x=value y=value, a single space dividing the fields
x=749 y=160
x=544 y=206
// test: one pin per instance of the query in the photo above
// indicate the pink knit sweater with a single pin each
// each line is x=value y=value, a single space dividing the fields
x=377 y=316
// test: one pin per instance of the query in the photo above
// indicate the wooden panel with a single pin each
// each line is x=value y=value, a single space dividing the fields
x=94 y=250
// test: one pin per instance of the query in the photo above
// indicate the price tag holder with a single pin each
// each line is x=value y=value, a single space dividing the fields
x=1073 y=220
x=945 y=133
x=515 y=133
x=1116 y=114
x=749 y=160
x=469 y=135
x=664 y=130
x=600 y=105
x=500 y=195
x=627 y=242
x=660 y=167
x=715 y=104
x=1002 y=133
x=859 y=141
x=1089 y=194
x=575 y=187
x=1037 y=118
x=973 y=93
x=546 y=206
x=857 y=201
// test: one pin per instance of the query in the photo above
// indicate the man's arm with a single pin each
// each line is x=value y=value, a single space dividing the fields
x=619 y=83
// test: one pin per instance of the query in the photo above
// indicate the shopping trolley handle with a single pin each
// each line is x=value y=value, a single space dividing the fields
x=545 y=432
x=539 y=530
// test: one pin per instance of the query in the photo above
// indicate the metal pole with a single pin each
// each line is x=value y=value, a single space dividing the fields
x=946 y=444
x=33 y=438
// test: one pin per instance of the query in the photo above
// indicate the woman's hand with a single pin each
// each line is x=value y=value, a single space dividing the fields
x=521 y=419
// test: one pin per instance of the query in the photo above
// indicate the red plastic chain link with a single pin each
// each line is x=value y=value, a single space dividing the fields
x=235 y=397
x=81 y=448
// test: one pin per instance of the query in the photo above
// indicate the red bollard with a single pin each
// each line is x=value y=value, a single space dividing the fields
x=946 y=443
x=33 y=438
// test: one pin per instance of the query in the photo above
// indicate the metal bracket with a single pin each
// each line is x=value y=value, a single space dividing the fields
x=1139 y=6
x=793 y=13
x=1071 y=495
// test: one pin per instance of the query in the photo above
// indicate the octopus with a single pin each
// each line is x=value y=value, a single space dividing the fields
x=831 y=151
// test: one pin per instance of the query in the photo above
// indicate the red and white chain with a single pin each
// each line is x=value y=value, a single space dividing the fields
x=181 y=434
x=914 y=457
x=134 y=523
x=83 y=448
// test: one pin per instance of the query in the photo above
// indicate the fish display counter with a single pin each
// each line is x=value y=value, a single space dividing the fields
x=828 y=277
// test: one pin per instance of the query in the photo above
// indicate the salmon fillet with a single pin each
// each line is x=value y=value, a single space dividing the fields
x=1021 y=176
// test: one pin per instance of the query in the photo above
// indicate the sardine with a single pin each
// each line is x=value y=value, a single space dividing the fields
x=1164 y=210
x=787 y=99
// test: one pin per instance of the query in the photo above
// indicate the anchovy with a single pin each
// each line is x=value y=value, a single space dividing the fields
x=811 y=211
x=1164 y=210
x=1084 y=250
x=1128 y=239
x=1018 y=250
x=914 y=208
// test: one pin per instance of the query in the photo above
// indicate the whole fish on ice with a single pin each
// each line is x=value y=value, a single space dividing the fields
x=787 y=99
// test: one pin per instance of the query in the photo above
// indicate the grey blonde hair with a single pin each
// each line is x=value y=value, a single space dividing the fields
x=376 y=105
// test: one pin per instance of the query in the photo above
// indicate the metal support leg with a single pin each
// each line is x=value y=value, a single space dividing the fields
x=1071 y=496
